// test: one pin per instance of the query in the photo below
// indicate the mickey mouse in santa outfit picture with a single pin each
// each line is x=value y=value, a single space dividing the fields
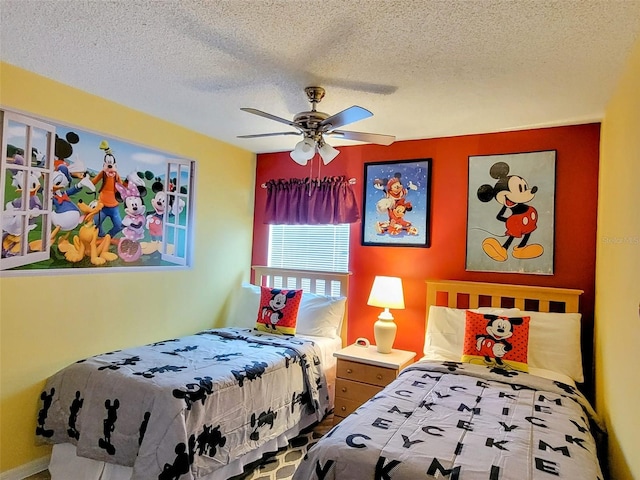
x=514 y=194
x=394 y=204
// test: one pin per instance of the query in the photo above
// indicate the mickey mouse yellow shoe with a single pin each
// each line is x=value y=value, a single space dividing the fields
x=492 y=247
x=528 y=251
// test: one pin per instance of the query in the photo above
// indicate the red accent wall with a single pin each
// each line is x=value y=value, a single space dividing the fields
x=575 y=223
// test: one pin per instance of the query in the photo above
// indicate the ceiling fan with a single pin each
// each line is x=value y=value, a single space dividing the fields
x=314 y=125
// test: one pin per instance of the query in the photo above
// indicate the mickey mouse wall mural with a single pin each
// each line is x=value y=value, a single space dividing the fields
x=93 y=201
x=510 y=213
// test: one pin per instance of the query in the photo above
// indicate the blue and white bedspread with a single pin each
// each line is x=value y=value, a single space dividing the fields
x=454 y=421
x=181 y=408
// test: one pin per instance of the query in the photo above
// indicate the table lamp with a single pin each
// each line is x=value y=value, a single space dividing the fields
x=386 y=292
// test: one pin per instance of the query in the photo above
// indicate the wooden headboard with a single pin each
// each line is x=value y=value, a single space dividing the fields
x=460 y=294
x=323 y=283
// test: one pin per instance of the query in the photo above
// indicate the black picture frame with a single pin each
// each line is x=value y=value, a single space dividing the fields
x=397 y=203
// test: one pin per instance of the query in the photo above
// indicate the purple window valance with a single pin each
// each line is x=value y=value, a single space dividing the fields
x=310 y=201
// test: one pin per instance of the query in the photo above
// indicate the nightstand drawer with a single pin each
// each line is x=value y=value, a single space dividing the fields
x=344 y=406
x=360 y=372
x=358 y=392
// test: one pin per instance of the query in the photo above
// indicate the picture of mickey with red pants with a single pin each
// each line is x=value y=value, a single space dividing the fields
x=514 y=194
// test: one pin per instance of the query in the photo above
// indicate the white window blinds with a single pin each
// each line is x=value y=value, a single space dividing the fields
x=310 y=247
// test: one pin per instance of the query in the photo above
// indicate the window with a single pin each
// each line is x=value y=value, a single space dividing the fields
x=175 y=246
x=310 y=247
x=25 y=174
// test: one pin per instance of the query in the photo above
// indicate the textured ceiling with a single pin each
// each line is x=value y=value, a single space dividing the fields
x=424 y=68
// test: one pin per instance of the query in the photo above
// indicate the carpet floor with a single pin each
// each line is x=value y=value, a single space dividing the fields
x=283 y=464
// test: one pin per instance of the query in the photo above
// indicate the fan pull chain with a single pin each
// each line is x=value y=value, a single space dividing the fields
x=319 y=166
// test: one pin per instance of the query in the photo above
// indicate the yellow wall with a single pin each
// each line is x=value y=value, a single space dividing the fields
x=618 y=275
x=48 y=322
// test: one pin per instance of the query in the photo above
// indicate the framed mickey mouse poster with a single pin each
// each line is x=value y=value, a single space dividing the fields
x=510 y=213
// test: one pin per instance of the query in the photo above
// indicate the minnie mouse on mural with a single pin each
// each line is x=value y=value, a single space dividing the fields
x=134 y=222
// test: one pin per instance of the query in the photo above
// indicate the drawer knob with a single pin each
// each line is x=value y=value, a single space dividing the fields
x=344 y=389
x=344 y=409
x=349 y=370
x=379 y=377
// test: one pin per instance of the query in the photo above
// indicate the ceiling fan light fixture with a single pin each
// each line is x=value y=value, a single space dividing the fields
x=313 y=124
x=303 y=151
x=298 y=158
x=327 y=152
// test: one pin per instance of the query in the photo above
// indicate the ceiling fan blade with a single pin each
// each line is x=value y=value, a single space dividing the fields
x=268 y=115
x=350 y=115
x=365 y=137
x=268 y=134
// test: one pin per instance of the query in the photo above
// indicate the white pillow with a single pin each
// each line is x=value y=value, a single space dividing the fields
x=320 y=315
x=245 y=303
x=445 y=331
x=554 y=343
x=554 y=338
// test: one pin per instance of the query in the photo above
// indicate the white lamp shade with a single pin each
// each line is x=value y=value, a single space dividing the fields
x=386 y=292
x=303 y=151
x=327 y=152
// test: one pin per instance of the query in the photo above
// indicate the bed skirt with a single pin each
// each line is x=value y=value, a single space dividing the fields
x=66 y=465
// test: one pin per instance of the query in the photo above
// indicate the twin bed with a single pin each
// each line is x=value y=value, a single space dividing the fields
x=203 y=406
x=479 y=419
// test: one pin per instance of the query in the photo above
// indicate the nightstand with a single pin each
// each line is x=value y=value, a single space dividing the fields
x=362 y=372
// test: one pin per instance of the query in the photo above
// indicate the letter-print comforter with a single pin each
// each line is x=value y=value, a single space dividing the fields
x=181 y=408
x=461 y=422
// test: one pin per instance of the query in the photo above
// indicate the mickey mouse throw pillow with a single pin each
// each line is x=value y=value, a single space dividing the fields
x=496 y=340
x=278 y=312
